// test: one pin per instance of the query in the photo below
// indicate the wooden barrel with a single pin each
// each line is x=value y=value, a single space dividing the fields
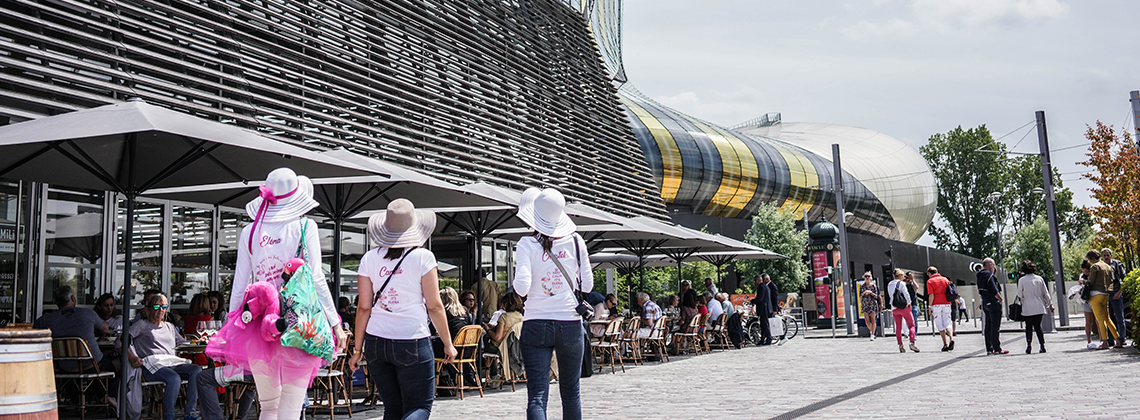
x=27 y=381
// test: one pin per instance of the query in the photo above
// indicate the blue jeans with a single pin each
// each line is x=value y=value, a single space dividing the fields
x=539 y=339
x=1116 y=310
x=173 y=377
x=403 y=372
x=208 y=394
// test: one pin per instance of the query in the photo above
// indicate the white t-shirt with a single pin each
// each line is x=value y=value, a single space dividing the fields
x=400 y=313
x=715 y=309
x=275 y=244
x=549 y=295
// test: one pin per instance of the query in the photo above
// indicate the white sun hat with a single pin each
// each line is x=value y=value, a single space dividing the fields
x=401 y=226
x=285 y=196
x=526 y=205
x=549 y=213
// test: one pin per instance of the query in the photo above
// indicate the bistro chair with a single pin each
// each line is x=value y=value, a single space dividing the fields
x=686 y=338
x=656 y=340
x=74 y=351
x=496 y=363
x=329 y=387
x=607 y=350
x=718 y=332
x=631 y=343
x=234 y=391
x=466 y=342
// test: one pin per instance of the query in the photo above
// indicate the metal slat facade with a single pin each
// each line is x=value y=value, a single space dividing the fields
x=511 y=92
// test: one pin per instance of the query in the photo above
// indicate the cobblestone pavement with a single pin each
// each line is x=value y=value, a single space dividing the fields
x=850 y=378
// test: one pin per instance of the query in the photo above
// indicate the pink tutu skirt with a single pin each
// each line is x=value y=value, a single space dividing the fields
x=246 y=349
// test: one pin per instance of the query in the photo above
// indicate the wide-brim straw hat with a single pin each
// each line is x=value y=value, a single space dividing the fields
x=526 y=205
x=549 y=210
x=401 y=226
x=282 y=181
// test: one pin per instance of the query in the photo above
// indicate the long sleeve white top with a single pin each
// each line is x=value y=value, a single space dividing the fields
x=275 y=244
x=549 y=296
x=1034 y=295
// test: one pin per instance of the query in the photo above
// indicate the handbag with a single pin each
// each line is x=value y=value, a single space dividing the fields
x=306 y=327
x=1015 y=311
x=583 y=309
x=1086 y=292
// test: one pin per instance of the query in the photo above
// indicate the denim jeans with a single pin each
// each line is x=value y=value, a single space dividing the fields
x=403 y=372
x=208 y=405
x=1116 y=311
x=173 y=377
x=538 y=340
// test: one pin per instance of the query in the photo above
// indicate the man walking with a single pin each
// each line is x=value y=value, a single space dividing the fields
x=990 y=292
x=762 y=303
x=1116 y=301
x=940 y=306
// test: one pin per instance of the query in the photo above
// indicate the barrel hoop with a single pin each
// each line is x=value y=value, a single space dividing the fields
x=26 y=399
x=25 y=348
x=26 y=357
x=29 y=408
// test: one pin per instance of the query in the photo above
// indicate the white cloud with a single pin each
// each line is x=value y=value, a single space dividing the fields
x=954 y=15
x=895 y=27
x=964 y=14
x=721 y=107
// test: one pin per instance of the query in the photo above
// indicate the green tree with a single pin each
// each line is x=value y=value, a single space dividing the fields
x=965 y=178
x=775 y=230
x=1032 y=243
x=1115 y=161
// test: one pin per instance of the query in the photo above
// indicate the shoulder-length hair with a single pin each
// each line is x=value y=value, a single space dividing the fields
x=451 y=302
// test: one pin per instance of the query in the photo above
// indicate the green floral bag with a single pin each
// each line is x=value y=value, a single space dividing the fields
x=305 y=326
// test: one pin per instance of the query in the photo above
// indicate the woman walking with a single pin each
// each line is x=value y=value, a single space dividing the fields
x=1100 y=280
x=399 y=292
x=901 y=303
x=279 y=233
x=551 y=268
x=1034 y=302
x=872 y=303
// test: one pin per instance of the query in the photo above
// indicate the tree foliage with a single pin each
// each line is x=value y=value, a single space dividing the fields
x=660 y=282
x=775 y=230
x=1117 y=180
x=968 y=171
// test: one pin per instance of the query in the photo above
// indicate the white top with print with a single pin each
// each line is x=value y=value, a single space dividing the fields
x=400 y=313
x=548 y=295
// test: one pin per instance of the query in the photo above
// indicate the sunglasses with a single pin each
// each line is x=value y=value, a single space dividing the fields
x=163 y=307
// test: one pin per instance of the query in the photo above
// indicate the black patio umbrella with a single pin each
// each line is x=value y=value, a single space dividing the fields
x=133 y=147
x=343 y=198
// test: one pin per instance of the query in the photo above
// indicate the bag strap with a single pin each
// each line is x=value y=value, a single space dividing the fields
x=302 y=252
x=376 y=297
x=566 y=274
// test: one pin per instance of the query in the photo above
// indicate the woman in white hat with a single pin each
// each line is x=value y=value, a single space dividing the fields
x=550 y=321
x=399 y=291
x=282 y=376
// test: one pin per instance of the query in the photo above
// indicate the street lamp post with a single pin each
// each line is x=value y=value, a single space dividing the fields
x=1000 y=222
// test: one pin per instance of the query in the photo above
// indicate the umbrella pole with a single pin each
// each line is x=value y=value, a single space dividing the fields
x=128 y=288
x=128 y=291
x=338 y=229
x=478 y=279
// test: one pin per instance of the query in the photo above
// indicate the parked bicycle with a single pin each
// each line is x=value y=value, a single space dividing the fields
x=752 y=325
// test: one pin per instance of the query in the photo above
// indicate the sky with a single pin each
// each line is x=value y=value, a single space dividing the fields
x=907 y=68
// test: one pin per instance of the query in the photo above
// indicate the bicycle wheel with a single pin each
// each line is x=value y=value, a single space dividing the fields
x=791 y=327
x=754 y=333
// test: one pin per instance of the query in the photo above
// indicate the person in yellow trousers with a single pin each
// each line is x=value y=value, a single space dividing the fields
x=1100 y=280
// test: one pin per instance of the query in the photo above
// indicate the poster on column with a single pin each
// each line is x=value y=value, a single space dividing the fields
x=822 y=293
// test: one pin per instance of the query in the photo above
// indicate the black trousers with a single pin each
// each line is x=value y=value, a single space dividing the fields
x=991 y=313
x=765 y=329
x=1033 y=322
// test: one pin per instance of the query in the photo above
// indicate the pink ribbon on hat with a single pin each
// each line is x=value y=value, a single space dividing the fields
x=267 y=199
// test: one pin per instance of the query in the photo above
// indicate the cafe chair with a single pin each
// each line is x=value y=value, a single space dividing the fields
x=466 y=342
x=718 y=333
x=329 y=387
x=607 y=350
x=630 y=342
x=74 y=352
x=655 y=343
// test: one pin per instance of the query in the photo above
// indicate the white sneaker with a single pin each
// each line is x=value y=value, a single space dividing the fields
x=872 y=338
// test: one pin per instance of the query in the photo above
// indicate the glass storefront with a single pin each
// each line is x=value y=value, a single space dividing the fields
x=73 y=226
